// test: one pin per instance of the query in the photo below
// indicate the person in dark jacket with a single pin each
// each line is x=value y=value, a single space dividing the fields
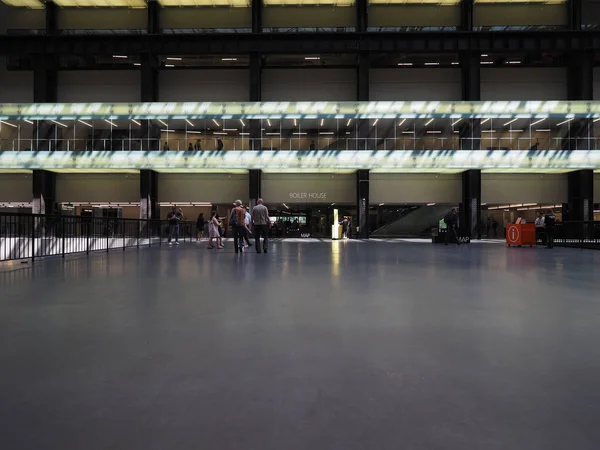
x=200 y=222
x=451 y=220
x=550 y=227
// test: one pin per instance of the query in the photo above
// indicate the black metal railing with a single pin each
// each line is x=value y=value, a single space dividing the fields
x=31 y=236
x=578 y=234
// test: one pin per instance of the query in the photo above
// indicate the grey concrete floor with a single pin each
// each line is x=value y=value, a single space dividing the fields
x=346 y=345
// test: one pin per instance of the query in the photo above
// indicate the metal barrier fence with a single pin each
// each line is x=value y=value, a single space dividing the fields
x=31 y=236
x=582 y=234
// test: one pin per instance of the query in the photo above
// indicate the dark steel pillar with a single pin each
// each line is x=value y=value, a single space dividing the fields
x=149 y=78
x=580 y=195
x=469 y=131
x=154 y=17
x=362 y=16
x=466 y=15
x=574 y=14
x=255 y=96
x=44 y=192
x=362 y=203
x=51 y=17
x=470 y=208
x=149 y=208
x=254 y=185
x=257 y=6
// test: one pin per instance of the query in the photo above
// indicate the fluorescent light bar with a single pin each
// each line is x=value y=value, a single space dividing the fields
x=454 y=63
x=484 y=55
x=168 y=131
x=134 y=121
x=515 y=131
x=273 y=134
x=244 y=134
x=228 y=59
x=299 y=134
x=432 y=63
x=9 y=124
x=405 y=64
x=295 y=122
x=484 y=121
x=327 y=132
x=401 y=122
x=509 y=122
x=408 y=132
x=171 y=58
x=488 y=131
x=242 y=122
x=513 y=62
x=137 y=64
x=219 y=133
x=163 y=123
x=108 y=121
x=169 y=65
x=433 y=132
x=563 y=122
x=189 y=123
x=194 y=132
x=348 y=124
x=543 y=129
x=375 y=123
x=487 y=62
x=428 y=122
x=456 y=122
x=322 y=122
x=538 y=121
x=85 y=123
x=119 y=56
x=596 y=120
x=430 y=204
x=58 y=123
x=216 y=123
x=312 y=58
x=269 y=122
x=28 y=121
x=229 y=129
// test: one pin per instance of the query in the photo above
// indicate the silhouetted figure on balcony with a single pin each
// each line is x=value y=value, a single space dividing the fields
x=219 y=144
x=312 y=147
x=535 y=146
x=166 y=147
x=190 y=147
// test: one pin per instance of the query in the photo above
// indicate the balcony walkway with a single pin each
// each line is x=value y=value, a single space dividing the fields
x=323 y=345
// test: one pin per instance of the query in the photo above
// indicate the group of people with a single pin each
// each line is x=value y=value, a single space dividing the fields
x=197 y=146
x=244 y=224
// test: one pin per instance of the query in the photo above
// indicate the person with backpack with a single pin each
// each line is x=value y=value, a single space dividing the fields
x=550 y=227
x=238 y=226
x=451 y=220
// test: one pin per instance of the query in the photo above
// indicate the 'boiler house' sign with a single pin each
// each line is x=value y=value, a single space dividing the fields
x=308 y=195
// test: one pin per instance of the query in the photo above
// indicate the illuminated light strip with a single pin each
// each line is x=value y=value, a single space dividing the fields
x=510 y=121
x=137 y=64
x=299 y=134
x=430 y=120
x=28 y=121
x=405 y=64
x=375 y=123
x=456 y=122
x=312 y=58
x=269 y=122
x=513 y=62
x=596 y=120
x=189 y=123
x=322 y=121
x=219 y=133
x=487 y=62
x=401 y=122
x=295 y=123
x=119 y=56
x=538 y=121
x=432 y=63
x=454 y=63
x=85 y=123
x=228 y=59
x=58 y=123
x=163 y=123
x=273 y=134
x=488 y=131
x=244 y=134
x=408 y=132
x=108 y=121
x=563 y=122
x=193 y=132
x=229 y=129
x=484 y=121
x=171 y=58
x=433 y=132
x=348 y=124
x=242 y=122
x=327 y=132
x=9 y=124
x=168 y=131
x=216 y=123
x=169 y=65
x=136 y=122
x=544 y=129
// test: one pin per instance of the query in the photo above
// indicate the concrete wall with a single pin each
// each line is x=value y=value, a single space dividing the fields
x=16 y=187
x=99 y=86
x=516 y=83
x=97 y=187
x=523 y=188
x=308 y=188
x=415 y=84
x=102 y=19
x=525 y=14
x=414 y=188
x=15 y=87
x=221 y=188
x=308 y=16
x=16 y=19
x=231 y=85
x=205 y=17
x=597 y=188
x=309 y=85
x=414 y=15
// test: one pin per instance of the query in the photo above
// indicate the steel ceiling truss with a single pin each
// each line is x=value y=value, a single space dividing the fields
x=302 y=43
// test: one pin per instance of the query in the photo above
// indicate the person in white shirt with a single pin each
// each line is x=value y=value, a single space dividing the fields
x=540 y=233
x=248 y=225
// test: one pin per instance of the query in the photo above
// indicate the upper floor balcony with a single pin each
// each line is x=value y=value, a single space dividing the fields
x=392 y=130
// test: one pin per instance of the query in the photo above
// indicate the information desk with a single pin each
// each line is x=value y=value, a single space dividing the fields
x=520 y=234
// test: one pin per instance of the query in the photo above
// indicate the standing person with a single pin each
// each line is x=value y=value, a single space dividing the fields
x=219 y=144
x=197 y=145
x=550 y=226
x=261 y=221
x=190 y=148
x=345 y=225
x=166 y=146
x=238 y=226
x=174 y=218
x=495 y=227
x=200 y=227
x=451 y=220
x=539 y=227
x=213 y=231
x=248 y=232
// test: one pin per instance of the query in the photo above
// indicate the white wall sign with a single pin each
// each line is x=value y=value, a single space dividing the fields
x=308 y=195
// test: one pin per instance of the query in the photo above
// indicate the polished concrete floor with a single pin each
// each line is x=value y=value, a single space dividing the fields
x=346 y=345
